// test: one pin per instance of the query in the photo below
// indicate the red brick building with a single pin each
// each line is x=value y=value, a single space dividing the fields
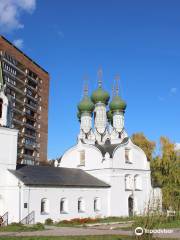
x=26 y=85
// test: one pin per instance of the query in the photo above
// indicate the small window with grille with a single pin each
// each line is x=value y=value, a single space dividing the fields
x=82 y=158
x=127 y=156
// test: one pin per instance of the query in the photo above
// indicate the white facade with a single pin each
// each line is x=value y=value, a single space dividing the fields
x=8 y=183
x=127 y=179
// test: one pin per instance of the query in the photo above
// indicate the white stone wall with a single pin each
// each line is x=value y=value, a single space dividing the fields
x=113 y=171
x=8 y=183
x=33 y=197
x=8 y=147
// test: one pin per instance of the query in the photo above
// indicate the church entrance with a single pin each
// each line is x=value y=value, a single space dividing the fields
x=130 y=206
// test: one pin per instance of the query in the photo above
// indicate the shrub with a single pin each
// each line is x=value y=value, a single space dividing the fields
x=48 y=221
x=16 y=224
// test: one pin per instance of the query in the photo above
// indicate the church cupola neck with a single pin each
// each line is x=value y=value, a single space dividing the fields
x=100 y=95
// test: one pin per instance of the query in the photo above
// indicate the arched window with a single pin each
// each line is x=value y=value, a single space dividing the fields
x=97 y=204
x=44 y=206
x=81 y=205
x=63 y=205
x=137 y=182
x=1 y=107
x=128 y=182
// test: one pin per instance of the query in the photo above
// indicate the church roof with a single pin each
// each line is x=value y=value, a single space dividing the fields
x=57 y=176
x=110 y=148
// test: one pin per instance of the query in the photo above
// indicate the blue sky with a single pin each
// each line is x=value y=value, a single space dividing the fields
x=137 y=39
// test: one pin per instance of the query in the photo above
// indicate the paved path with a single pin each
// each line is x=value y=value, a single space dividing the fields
x=68 y=231
x=72 y=231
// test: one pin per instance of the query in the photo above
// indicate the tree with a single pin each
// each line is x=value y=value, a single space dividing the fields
x=166 y=173
x=146 y=145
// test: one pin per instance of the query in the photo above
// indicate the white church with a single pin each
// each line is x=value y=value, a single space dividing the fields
x=103 y=175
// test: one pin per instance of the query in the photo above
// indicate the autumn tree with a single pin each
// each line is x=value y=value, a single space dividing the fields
x=146 y=145
x=166 y=173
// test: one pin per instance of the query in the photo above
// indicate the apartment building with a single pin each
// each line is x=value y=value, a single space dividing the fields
x=26 y=84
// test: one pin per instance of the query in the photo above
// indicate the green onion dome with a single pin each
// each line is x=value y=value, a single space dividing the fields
x=100 y=96
x=109 y=116
x=86 y=105
x=117 y=104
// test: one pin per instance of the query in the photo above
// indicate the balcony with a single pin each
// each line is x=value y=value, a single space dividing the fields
x=17 y=111
x=31 y=84
x=32 y=76
x=28 y=161
x=30 y=126
x=34 y=108
x=13 y=66
x=20 y=155
x=28 y=157
x=29 y=114
x=15 y=88
x=18 y=122
x=19 y=101
x=29 y=135
x=6 y=72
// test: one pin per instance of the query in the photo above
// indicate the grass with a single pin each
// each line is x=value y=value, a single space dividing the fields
x=17 y=227
x=156 y=222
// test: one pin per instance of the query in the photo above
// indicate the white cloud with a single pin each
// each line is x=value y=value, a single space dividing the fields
x=10 y=11
x=19 y=43
x=173 y=90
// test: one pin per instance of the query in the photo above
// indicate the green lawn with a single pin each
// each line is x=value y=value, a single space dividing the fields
x=16 y=227
x=156 y=222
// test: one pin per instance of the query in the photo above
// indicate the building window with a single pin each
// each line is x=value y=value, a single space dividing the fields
x=127 y=156
x=10 y=59
x=63 y=205
x=31 y=103
x=32 y=74
x=31 y=83
x=30 y=132
x=137 y=182
x=28 y=152
x=81 y=205
x=44 y=206
x=82 y=158
x=10 y=80
x=10 y=92
x=25 y=205
x=97 y=204
x=30 y=112
x=30 y=122
x=1 y=106
x=128 y=182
